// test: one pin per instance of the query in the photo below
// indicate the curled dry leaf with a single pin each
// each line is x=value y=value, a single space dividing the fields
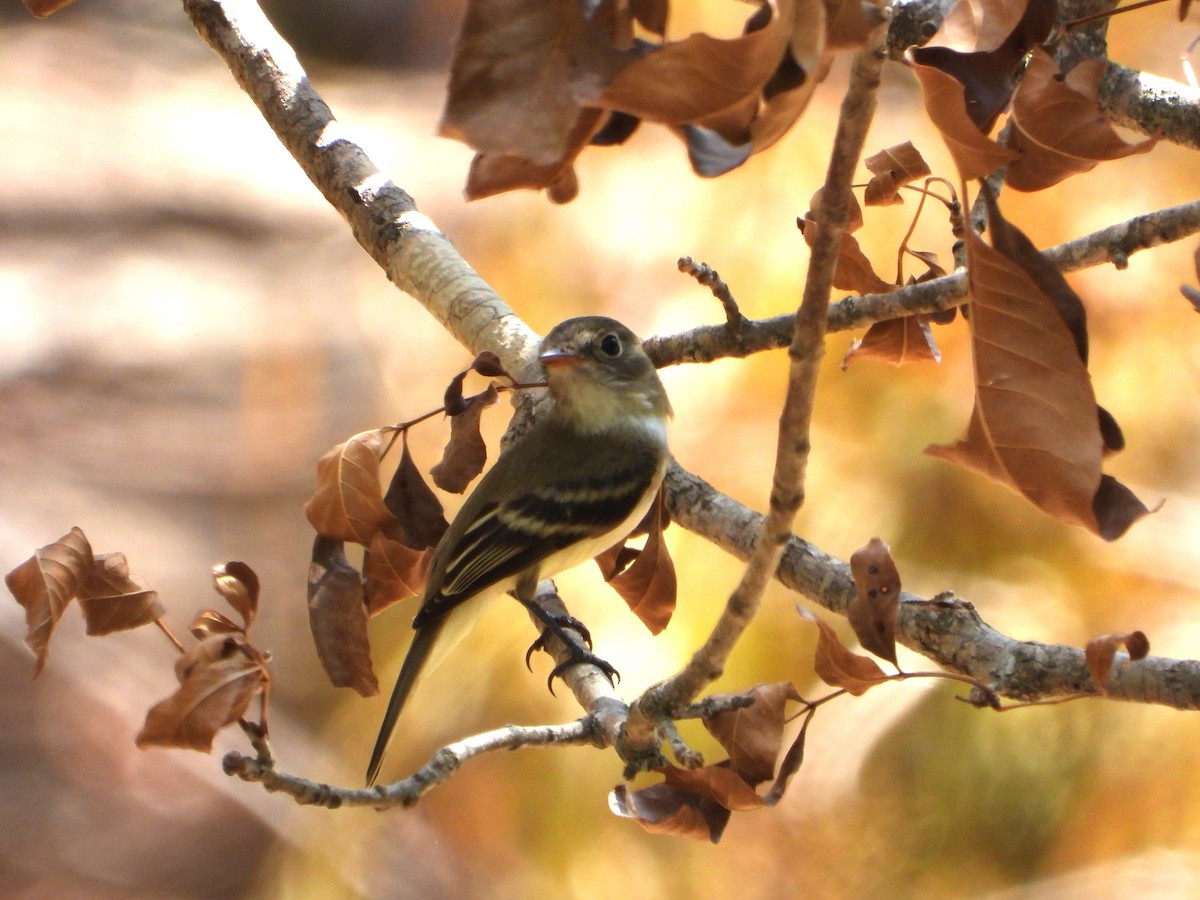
x=218 y=676
x=685 y=81
x=337 y=617
x=1035 y=426
x=43 y=8
x=792 y=760
x=876 y=604
x=238 y=584
x=45 y=583
x=1100 y=653
x=393 y=572
x=495 y=173
x=974 y=153
x=854 y=271
x=722 y=141
x=982 y=47
x=649 y=584
x=466 y=452
x=1058 y=127
x=837 y=665
x=347 y=503
x=510 y=91
x=416 y=508
x=112 y=601
x=753 y=735
x=488 y=365
x=891 y=169
x=209 y=622
x=661 y=809
x=895 y=341
x=718 y=783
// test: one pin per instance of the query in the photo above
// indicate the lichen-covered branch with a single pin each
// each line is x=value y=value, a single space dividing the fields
x=791 y=459
x=1114 y=244
x=948 y=631
x=443 y=764
x=416 y=256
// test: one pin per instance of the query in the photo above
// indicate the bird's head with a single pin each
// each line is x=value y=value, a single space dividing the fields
x=600 y=376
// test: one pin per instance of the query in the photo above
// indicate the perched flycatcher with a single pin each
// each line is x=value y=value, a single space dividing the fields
x=571 y=487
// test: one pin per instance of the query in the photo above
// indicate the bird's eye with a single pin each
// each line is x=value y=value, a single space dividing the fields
x=610 y=346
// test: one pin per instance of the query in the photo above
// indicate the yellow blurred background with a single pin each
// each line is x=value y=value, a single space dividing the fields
x=187 y=327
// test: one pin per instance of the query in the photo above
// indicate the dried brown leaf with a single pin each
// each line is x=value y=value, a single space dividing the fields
x=753 y=735
x=347 y=503
x=895 y=341
x=417 y=510
x=1101 y=652
x=847 y=24
x=876 y=604
x=665 y=810
x=112 y=601
x=718 y=783
x=238 y=584
x=337 y=617
x=685 y=81
x=790 y=765
x=488 y=365
x=45 y=583
x=209 y=622
x=43 y=8
x=393 y=572
x=1058 y=127
x=1035 y=426
x=466 y=453
x=892 y=168
x=510 y=91
x=854 y=271
x=982 y=46
x=839 y=666
x=219 y=676
x=649 y=584
x=495 y=173
x=974 y=153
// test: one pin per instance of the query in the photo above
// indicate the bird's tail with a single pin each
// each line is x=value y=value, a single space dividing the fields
x=416 y=660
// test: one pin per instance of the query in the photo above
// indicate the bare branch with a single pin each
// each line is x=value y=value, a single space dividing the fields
x=444 y=763
x=410 y=249
x=707 y=276
x=1114 y=244
x=1151 y=105
x=948 y=631
x=791 y=460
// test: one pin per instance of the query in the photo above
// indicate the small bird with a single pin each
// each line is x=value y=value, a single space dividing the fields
x=575 y=484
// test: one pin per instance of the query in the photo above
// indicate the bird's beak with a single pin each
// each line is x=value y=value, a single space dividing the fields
x=553 y=359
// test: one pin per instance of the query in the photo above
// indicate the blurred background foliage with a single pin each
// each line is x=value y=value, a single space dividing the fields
x=187 y=327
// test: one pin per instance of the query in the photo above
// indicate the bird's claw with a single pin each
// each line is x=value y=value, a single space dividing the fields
x=583 y=657
x=580 y=655
x=563 y=622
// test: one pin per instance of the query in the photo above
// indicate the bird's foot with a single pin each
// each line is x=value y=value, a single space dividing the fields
x=581 y=653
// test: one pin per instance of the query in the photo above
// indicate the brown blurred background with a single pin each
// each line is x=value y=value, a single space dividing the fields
x=186 y=327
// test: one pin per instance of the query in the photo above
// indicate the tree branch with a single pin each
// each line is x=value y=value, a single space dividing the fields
x=948 y=631
x=419 y=259
x=410 y=249
x=444 y=763
x=1114 y=244
x=791 y=458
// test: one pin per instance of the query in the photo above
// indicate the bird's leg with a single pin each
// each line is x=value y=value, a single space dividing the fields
x=558 y=625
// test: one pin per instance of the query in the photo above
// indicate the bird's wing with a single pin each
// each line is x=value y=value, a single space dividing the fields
x=508 y=538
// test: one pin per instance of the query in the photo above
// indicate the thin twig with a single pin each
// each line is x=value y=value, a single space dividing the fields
x=1114 y=244
x=787 y=491
x=707 y=276
x=444 y=763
